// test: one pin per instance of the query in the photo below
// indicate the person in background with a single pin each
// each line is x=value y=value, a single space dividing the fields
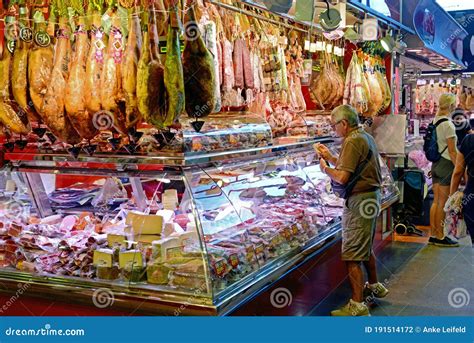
x=358 y=225
x=442 y=170
x=465 y=166
x=461 y=123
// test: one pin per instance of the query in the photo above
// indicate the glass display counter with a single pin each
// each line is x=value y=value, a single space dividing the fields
x=206 y=230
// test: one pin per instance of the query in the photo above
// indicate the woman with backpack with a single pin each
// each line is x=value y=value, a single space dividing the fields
x=442 y=168
x=465 y=160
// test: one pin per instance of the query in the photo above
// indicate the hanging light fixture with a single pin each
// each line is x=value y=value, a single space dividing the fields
x=388 y=43
x=330 y=19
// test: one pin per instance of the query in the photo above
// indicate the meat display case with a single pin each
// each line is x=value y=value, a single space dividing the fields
x=179 y=234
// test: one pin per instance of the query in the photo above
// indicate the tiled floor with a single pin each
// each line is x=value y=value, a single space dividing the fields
x=423 y=280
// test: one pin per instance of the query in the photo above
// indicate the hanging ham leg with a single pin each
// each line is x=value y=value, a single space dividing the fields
x=199 y=76
x=40 y=65
x=95 y=63
x=16 y=121
x=174 y=78
x=111 y=79
x=130 y=66
x=53 y=111
x=150 y=78
x=20 y=70
x=75 y=101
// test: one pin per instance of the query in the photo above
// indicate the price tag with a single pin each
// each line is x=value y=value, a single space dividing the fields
x=286 y=233
x=42 y=39
x=275 y=240
x=220 y=268
x=26 y=34
x=259 y=249
x=234 y=260
x=11 y=46
x=249 y=253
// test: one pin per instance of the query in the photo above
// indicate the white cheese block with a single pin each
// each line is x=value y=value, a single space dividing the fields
x=189 y=238
x=167 y=215
x=103 y=257
x=113 y=239
x=146 y=238
x=131 y=258
x=145 y=224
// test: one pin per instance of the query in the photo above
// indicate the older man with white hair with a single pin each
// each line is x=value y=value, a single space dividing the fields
x=357 y=172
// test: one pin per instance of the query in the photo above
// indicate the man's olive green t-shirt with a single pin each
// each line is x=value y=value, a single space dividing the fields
x=354 y=151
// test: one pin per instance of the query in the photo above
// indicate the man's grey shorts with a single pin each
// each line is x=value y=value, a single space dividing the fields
x=442 y=171
x=359 y=220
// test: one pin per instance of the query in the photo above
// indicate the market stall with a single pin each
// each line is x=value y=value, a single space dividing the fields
x=175 y=182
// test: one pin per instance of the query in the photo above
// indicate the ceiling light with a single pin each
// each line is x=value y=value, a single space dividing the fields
x=388 y=43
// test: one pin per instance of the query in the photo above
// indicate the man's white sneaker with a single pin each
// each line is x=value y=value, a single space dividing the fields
x=352 y=308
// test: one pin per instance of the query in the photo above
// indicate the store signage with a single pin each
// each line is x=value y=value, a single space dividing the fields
x=438 y=30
